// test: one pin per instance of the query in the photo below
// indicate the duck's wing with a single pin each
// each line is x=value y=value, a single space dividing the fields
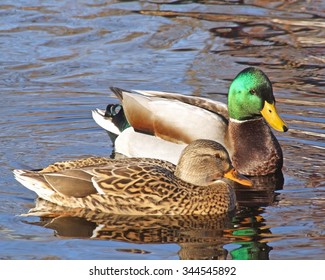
x=70 y=178
x=84 y=177
x=174 y=117
x=201 y=102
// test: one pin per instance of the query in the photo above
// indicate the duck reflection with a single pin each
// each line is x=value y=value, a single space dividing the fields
x=199 y=237
x=252 y=234
x=249 y=228
x=263 y=191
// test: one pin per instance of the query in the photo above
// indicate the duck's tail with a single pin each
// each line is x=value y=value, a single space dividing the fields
x=35 y=182
x=113 y=119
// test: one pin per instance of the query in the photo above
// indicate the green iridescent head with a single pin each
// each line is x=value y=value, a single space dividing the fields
x=251 y=96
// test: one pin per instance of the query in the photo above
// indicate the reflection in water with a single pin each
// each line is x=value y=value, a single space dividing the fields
x=263 y=191
x=250 y=228
x=199 y=237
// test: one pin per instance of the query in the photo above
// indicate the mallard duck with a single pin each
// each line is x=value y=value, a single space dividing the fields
x=142 y=186
x=159 y=124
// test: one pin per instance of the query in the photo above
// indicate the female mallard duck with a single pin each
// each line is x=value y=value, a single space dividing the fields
x=140 y=186
x=162 y=123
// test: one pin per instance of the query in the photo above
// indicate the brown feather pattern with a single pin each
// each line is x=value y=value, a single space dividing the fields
x=137 y=186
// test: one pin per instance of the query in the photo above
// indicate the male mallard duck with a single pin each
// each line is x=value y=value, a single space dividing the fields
x=162 y=123
x=140 y=186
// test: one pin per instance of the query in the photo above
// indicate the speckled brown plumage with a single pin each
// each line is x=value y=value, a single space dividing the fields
x=139 y=186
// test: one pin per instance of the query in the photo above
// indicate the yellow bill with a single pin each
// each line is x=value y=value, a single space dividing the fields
x=233 y=175
x=272 y=117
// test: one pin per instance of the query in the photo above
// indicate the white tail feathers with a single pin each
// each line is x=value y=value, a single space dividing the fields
x=36 y=185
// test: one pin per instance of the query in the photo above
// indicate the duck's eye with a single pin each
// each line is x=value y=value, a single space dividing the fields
x=221 y=157
x=252 y=91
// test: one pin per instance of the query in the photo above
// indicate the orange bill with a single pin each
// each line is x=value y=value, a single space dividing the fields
x=233 y=175
x=272 y=117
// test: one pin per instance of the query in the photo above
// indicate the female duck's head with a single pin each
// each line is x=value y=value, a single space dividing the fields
x=204 y=161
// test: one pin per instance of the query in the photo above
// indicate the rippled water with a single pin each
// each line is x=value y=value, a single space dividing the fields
x=58 y=59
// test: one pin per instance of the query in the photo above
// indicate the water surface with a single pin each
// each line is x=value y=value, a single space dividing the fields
x=58 y=59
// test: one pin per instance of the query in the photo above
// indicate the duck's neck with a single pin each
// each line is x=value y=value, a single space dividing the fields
x=234 y=120
x=254 y=150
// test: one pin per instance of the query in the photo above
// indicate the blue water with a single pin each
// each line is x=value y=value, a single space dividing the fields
x=58 y=59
